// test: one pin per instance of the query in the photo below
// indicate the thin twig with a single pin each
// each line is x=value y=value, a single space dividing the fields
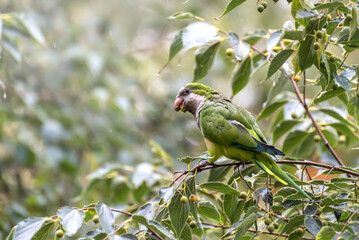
x=321 y=195
x=317 y=128
x=346 y=223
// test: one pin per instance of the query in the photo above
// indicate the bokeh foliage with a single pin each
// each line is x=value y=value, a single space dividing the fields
x=86 y=119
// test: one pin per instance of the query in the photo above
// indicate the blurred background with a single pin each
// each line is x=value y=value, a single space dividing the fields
x=83 y=97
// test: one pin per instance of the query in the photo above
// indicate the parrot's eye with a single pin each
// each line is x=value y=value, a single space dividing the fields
x=187 y=91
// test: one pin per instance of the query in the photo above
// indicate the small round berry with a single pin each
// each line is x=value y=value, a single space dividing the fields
x=335 y=86
x=260 y=8
x=229 y=52
x=267 y=221
x=316 y=46
x=357 y=94
x=189 y=219
x=193 y=224
x=95 y=219
x=193 y=198
x=342 y=139
x=276 y=225
x=296 y=78
x=316 y=138
x=332 y=59
x=271 y=228
x=264 y=4
x=243 y=195
x=319 y=34
x=275 y=1
x=348 y=17
x=289 y=1
x=324 y=222
x=329 y=17
x=300 y=231
x=184 y=199
x=59 y=233
x=294 y=115
x=322 y=64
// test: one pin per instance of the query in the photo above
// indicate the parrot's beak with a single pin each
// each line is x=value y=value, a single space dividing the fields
x=179 y=105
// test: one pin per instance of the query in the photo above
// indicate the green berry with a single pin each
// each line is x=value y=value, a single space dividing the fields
x=275 y=1
x=316 y=46
x=294 y=115
x=332 y=59
x=95 y=219
x=342 y=139
x=316 y=138
x=357 y=94
x=319 y=34
x=264 y=4
x=193 y=224
x=193 y=198
x=267 y=221
x=184 y=199
x=271 y=228
x=276 y=225
x=319 y=211
x=189 y=219
x=348 y=17
x=243 y=195
x=229 y=52
x=329 y=17
x=300 y=231
x=335 y=86
x=59 y=233
x=289 y=1
x=260 y=8
x=324 y=222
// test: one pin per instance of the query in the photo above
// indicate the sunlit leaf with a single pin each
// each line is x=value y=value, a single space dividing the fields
x=219 y=187
x=306 y=53
x=71 y=219
x=198 y=34
x=231 y=5
x=312 y=225
x=326 y=233
x=207 y=209
x=353 y=23
x=181 y=15
x=328 y=5
x=294 y=223
x=326 y=95
x=353 y=108
x=106 y=217
x=27 y=228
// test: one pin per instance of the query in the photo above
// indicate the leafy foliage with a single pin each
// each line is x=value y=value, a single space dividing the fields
x=145 y=201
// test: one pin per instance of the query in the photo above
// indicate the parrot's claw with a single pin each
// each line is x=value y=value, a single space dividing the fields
x=238 y=167
x=203 y=163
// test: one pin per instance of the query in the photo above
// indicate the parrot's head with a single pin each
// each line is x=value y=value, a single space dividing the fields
x=192 y=96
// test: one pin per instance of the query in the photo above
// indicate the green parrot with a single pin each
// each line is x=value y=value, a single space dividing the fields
x=230 y=130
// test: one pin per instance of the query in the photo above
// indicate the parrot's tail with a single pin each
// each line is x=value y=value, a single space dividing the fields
x=267 y=164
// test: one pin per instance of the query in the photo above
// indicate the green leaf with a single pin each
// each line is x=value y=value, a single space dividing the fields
x=306 y=53
x=181 y=15
x=337 y=116
x=45 y=231
x=153 y=225
x=204 y=59
x=331 y=135
x=106 y=217
x=353 y=108
x=326 y=233
x=353 y=23
x=219 y=187
x=294 y=223
x=207 y=209
x=323 y=96
x=241 y=75
x=189 y=190
x=293 y=35
x=27 y=228
x=305 y=14
x=269 y=109
x=293 y=140
x=253 y=37
x=186 y=233
x=241 y=49
x=71 y=219
x=344 y=129
x=278 y=87
x=12 y=50
x=278 y=61
x=188 y=159
x=176 y=46
x=232 y=207
x=245 y=225
x=178 y=213
x=231 y=5
x=329 y=5
x=284 y=127
x=312 y=225
x=217 y=174
x=127 y=236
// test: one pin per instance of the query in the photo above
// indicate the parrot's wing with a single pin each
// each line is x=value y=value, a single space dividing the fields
x=253 y=123
x=217 y=126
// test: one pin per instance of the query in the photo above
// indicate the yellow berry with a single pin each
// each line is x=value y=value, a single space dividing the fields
x=296 y=78
x=59 y=233
x=229 y=52
x=243 y=195
x=193 y=224
x=316 y=138
x=264 y=4
x=193 y=198
x=184 y=199
x=96 y=219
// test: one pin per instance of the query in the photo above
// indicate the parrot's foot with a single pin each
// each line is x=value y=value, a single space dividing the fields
x=203 y=163
x=239 y=166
